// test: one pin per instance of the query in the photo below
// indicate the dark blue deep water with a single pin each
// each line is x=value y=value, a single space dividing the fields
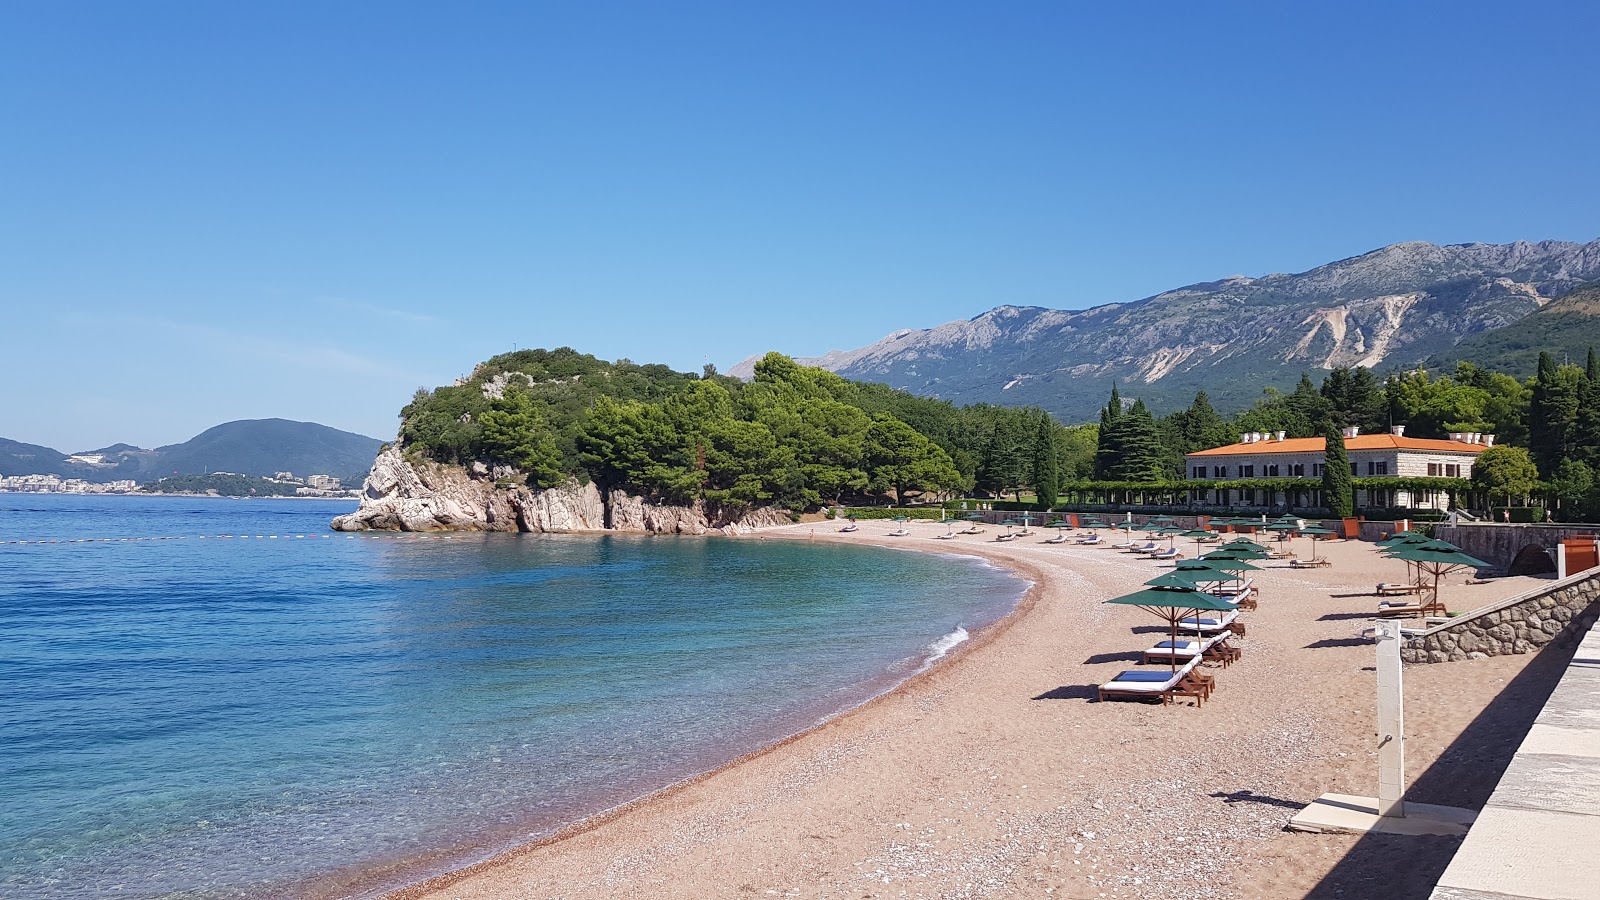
x=321 y=714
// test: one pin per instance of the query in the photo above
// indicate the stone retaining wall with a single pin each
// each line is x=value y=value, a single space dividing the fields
x=1554 y=613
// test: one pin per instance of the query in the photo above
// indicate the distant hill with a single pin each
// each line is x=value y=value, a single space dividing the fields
x=255 y=447
x=1567 y=327
x=1393 y=308
x=17 y=458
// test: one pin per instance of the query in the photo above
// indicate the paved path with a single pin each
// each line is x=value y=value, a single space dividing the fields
x=1535 y=838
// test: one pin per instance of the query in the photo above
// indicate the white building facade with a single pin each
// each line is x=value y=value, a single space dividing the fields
x=1266 y=455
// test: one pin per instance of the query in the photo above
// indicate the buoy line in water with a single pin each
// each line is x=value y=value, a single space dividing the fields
x=256 y=537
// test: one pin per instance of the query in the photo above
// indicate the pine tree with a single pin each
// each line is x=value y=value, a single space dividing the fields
x=1046 y=478
x=1551 y=415
x=1109 y=450
x=1139 y=447
x=1338 y=488
x=1586 y=423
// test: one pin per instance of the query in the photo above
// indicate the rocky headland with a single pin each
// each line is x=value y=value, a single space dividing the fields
x=406 y=493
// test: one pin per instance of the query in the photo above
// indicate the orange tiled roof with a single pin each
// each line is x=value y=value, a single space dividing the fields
x=1359 y=442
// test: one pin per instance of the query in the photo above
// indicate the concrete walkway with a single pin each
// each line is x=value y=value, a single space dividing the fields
x=1536 y=837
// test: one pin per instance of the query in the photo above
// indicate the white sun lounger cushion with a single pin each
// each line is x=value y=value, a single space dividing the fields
x=1204 y=623
x=1149 y=680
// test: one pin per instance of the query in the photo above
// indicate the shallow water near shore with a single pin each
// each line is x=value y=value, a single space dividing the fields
x=213 y=716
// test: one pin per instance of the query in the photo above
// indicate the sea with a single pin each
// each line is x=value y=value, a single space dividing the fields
x=208 y=698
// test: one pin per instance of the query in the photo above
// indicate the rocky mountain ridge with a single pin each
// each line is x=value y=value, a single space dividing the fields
x=1394 y=307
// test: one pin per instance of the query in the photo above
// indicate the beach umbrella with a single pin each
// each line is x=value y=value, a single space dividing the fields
x=1437 y=561
x=1162 y=519
x=1173 y=604
x=1243 y=544
x=1315 y=531
x=1198 y=535
x=1236 y=553
x=1058 y=523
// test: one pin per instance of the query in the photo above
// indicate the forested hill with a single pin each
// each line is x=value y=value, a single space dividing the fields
x=793 y=436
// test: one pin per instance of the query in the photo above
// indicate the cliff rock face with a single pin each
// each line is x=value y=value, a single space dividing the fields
x=402 y=495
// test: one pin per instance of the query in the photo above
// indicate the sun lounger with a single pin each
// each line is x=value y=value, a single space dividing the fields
x=1228 y=621
x=1093 y=540
x=899 y=532
x=1123 y=545
x=1163 y=683
x=973 y=530
x=1058 y=539
x=1148 y=547
x=851 y=527
x=1309 y=563
x=1005 y=537
x=1390 y=589
x=945 y=537
x=1169 y=553
x=1410 y=609
x=1184 y=650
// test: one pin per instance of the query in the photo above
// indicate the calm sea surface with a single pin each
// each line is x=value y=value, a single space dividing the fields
x=214 y=716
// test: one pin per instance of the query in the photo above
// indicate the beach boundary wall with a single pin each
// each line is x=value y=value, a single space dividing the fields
x=1555 y=613
x=1504 y=544
x=1535 y=836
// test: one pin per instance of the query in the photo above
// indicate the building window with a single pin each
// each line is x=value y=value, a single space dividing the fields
x=1247 y=471
x=1219 y=471
x=1298 y=470
x=1383 y=467
x=1433 y=470
x=1316 y=470
x=1377 y=468
x=1199 y=471
x=1452 y=470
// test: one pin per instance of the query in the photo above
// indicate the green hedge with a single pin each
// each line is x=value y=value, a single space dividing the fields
x=1524 y=514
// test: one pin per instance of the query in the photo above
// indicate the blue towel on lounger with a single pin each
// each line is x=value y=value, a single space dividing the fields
x=1135 y=675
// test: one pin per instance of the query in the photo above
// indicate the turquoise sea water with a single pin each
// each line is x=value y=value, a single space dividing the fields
x=214 y=716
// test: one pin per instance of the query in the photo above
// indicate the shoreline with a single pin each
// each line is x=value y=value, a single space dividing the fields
x=1285 y=747
x=975 y=640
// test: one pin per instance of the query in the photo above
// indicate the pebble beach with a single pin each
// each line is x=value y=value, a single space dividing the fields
x=996 y=774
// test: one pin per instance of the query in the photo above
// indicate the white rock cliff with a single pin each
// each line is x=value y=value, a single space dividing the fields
x=405 y=495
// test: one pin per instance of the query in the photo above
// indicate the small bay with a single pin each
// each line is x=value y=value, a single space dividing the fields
x=220 y=698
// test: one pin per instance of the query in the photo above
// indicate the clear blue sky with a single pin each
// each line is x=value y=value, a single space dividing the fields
x=218 y=211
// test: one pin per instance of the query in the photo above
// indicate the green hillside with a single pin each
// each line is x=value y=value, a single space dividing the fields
x=1567 y=327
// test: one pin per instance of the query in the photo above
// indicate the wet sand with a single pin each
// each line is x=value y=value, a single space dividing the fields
x=995 y=774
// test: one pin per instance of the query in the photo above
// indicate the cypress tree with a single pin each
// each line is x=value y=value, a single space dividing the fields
x=1338 y=488
x=1046 y=479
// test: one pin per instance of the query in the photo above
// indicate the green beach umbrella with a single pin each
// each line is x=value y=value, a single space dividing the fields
x=1315 y=531
x=1198 y=535
x=1058 y=523
x=1242 y=544
x=1437 y=561
x=1173 y=604
x=1236 y=553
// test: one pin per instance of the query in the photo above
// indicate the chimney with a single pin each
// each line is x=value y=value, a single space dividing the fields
x=1352 y=431
x=1488 y=440
x=1457 y=437
x=1477 y=437
x=1397 y=430
x=1244 y=437
x=1281 y=434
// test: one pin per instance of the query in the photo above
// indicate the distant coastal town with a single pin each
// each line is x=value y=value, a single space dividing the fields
x=227 y=484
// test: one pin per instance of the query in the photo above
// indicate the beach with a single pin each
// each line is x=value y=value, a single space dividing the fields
x=995 y=774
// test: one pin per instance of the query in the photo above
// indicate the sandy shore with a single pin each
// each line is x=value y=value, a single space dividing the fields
x=996 y=775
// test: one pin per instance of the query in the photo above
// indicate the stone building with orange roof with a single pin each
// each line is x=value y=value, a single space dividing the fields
x=1265 y=455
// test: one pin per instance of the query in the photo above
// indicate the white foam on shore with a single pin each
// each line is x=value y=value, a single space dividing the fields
x=938 y=649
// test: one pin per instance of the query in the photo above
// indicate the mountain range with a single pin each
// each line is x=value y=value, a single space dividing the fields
x=258 y=447
x=1397 y=307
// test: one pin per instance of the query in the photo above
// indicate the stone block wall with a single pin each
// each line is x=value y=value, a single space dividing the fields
x=1555 y=613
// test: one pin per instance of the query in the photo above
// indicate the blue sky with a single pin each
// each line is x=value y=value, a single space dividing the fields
x=307 y=210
